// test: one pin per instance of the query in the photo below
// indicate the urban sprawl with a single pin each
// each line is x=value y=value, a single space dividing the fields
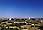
x=21 y=23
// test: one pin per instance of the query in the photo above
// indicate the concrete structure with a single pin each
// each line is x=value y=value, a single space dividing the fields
x=19 y=22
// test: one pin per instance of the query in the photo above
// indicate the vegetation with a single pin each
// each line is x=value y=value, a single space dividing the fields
x=19 y=24
x=10 y=29
x=19 y=20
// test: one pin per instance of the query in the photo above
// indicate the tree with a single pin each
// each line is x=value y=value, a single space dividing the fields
x=16 y=29
x=3 y=27
x=34 y=24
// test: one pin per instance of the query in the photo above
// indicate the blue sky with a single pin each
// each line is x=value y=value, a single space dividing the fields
x=21 y=8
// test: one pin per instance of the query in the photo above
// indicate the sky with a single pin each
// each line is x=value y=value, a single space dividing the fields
x=21 y=8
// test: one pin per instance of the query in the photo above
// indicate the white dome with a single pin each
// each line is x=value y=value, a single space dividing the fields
x=9 y=18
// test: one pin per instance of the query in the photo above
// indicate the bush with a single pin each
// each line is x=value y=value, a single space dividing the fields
x=16 y=29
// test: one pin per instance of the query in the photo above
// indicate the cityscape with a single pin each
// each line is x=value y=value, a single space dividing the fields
x=21 y=23
x=21 y=14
